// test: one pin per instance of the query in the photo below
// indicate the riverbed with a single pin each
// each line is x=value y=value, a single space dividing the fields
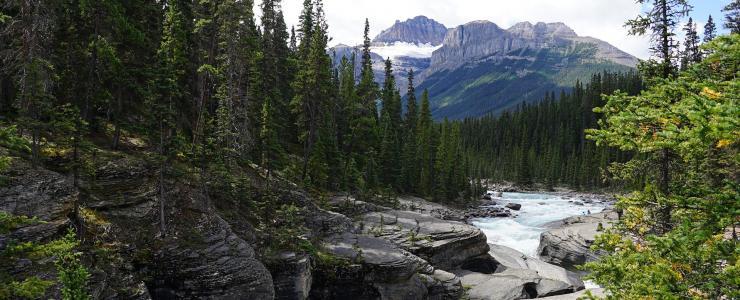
x=522 y=232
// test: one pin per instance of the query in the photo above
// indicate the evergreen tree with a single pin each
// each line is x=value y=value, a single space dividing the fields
x=710 y=30
x=28 y=60
x=660 y=21
x=426 y=147
x=732 y=16
x=364 y=136
x=312 y=92
x=168 y=92
x=691 y=53
x=693 y=116
x=410 y=153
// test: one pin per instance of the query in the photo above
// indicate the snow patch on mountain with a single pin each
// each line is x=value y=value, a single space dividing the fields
x=404 y=49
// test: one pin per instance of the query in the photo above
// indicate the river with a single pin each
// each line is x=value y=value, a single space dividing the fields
x=522 y=232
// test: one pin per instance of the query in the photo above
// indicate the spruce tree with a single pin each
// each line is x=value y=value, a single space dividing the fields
x=660 y=22
x=364 y=124
x=691 y=53
x=710 y=30
x=425 y=146
x=732 y=16
x=313 y=91
x=28 y=59
x=409 y=156
x=168 y=92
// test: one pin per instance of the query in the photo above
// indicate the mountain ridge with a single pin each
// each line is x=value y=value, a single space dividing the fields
x=479 y=67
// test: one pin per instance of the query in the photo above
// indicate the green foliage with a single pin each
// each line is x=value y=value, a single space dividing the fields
x=71 y=273
x=544 y=142
x=694 y=117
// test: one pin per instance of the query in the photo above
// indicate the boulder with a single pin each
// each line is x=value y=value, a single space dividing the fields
x=444 y=244
x=511 y=284
x=568 y=245
x=514 y=206
x=371 y=268
x=443 y=285
x=513 y=259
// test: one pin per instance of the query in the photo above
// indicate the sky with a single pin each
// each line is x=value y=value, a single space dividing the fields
x=602 y=19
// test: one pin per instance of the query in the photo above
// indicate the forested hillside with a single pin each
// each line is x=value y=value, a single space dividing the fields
x=544 y=142
x=199 y=82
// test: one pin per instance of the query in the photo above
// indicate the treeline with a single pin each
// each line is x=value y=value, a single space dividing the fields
x=544 y=142
x=208 y=87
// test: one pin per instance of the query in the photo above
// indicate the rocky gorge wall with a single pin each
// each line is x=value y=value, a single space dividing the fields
x=419 y=250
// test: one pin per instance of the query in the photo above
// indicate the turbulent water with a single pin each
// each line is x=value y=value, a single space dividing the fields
x=523 y=232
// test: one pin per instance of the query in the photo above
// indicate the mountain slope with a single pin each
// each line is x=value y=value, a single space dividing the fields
x=482 y=68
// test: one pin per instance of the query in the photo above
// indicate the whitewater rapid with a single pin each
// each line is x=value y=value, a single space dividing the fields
x=523 y=231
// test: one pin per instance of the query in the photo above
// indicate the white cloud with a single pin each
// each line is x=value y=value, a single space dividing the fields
x=602 y=19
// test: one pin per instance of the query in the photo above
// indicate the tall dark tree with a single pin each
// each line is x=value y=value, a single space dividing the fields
x=425 y=144
x=168 y=92
x=364 y=124
x=710 y=30
x=28 y=59
x=732 y=16
x=409 y=156
x=691 y=53
x=390 y=125
x=313 y=91
x=660 y=22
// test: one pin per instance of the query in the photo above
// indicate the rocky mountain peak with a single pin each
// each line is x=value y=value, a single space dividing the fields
x=418 y=30
x=541 y=30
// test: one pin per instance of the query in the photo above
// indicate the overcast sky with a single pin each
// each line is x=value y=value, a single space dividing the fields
x=602 y=19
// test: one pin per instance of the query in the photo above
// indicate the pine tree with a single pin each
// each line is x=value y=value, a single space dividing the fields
x=409 y=156
x=364 y=141
x=660 y=21
x=426 y=147
x=691 y=53
x=28 y=60
x=732 y=16
x=710 y=30
x=313 y=89
x=168 y=92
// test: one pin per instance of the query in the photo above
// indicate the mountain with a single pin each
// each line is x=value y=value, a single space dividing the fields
x=409 y=44
x=482 y=68
x=419 y=30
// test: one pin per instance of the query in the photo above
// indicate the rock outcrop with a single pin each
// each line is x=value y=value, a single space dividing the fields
x=513 y=259
x=569 y=244
x=376 y=268
x=519 y=277
x=444 y=244
x=419 y=30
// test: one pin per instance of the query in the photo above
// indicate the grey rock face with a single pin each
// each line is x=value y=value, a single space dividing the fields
x=292 y=276
x=485 y=40
x=38 y=193
x=375 y=268
x=569 y=245
x=445 y=244
x=212 y=263
x=513 y=259
x=511 y=284
x=442 y=285
x=421 y=30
